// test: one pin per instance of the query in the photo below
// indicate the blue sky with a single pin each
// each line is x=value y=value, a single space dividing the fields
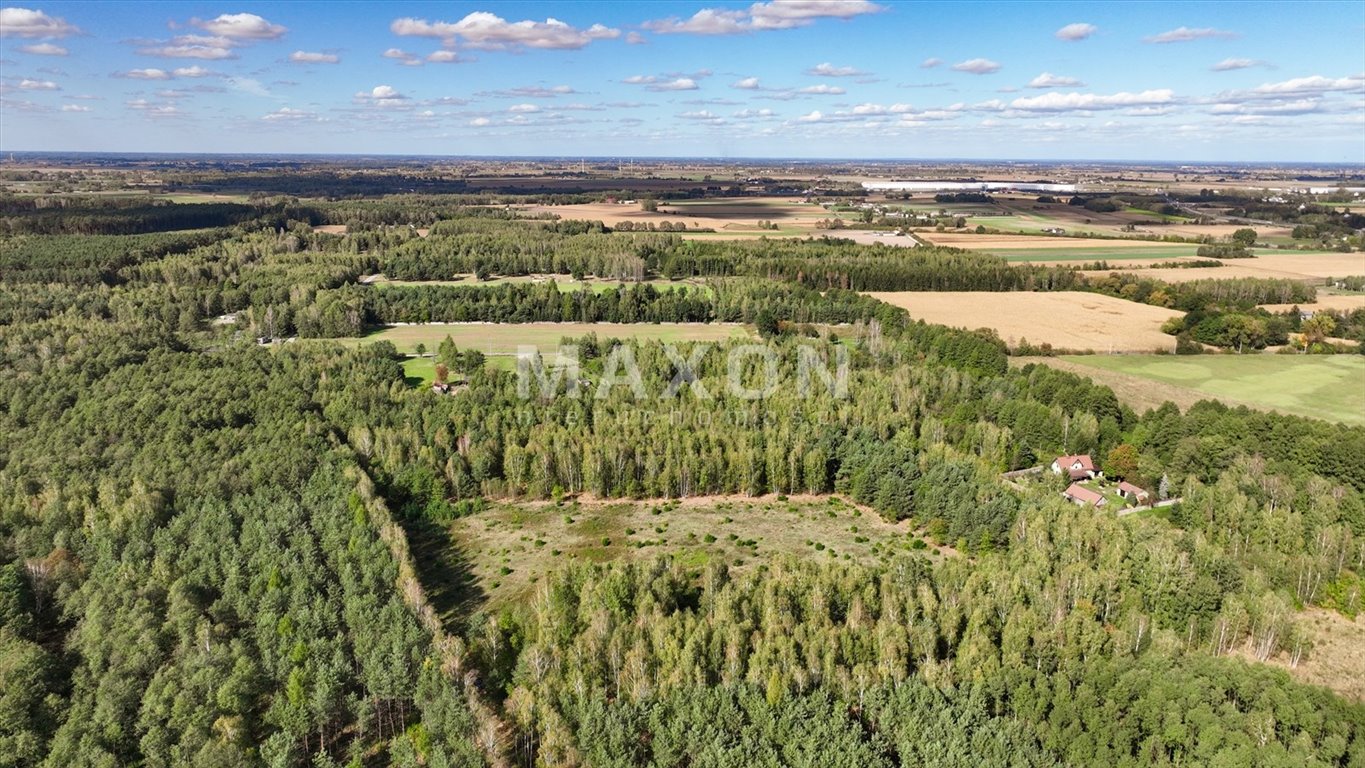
x=1182 y=81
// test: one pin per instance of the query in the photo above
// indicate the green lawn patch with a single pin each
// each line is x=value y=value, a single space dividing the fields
x=1330 y=387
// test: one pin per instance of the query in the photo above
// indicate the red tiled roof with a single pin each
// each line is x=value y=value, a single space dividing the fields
x=1127 y=487
x=1081 y=493
x=1066 y=462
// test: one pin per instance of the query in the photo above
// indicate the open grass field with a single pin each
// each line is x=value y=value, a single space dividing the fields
x=1071 y=320
x=503 y=339
x=1330 y=387
x=1139 y=393
x=729 y=217
x=509 y=547
x=198 y=197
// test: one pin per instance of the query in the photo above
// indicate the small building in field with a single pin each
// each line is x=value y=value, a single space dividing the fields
x=1079 y=494
x=1075 y=467
x=1133 y=493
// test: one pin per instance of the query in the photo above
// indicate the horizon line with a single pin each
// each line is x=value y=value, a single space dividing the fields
x=4 y=153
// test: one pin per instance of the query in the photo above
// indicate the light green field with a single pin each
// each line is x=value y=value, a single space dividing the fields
x=196 y=197
x=1166 y=217
x=954 y=209
x=503 y=339
x=1330 y=387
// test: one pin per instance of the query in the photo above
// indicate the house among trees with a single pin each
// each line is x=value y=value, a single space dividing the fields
x=1076 y=467
x=1082 y=496
x=1133 y=493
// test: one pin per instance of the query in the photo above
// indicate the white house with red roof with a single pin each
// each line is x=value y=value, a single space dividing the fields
x=1077 y=467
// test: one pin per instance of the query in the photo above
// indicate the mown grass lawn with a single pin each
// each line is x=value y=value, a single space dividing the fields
x=1330 y=387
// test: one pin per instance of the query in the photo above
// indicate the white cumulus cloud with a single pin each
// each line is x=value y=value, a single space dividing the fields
x=309 y=57
x=491 y=32
x=150 y=73
x=403 y=57
x=44 y=49
x=778 y=14
x=676 y=84
x=211 y=48
x=1187 y=34
x=1076 y=31
x=1049 y=80
x=289 y=115
x=829 y=70
x=977 y=66
x=34 y=25
x=241 y=26
x=1080 y=102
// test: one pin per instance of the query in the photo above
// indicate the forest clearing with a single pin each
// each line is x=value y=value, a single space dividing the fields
x=727 y=216
x=495 y=339
x=510 y=546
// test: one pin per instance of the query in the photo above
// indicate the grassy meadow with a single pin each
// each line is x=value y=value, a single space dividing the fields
x=1328 y=387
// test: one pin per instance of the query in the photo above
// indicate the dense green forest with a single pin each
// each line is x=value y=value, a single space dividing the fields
x=220 y=552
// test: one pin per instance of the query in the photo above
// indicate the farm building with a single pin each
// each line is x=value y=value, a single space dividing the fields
x=1079 y=494
x=1133 y=493
x=1076 y=467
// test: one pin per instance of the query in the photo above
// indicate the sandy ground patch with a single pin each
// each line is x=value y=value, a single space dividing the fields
x=1070 y=320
